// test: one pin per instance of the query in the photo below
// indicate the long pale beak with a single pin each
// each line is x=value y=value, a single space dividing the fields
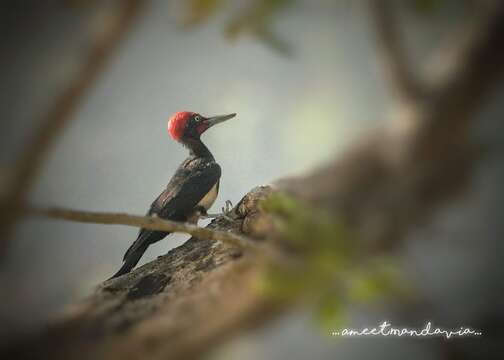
x=214 y=120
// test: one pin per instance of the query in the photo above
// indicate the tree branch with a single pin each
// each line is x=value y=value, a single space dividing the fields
x=462 y=75
x=201 y=278
x=147 y=222
x=390 y=45
x=31 y=160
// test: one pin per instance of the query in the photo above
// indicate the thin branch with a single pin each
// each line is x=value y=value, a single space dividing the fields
x=147 y=222
x=32 y=158
x=395 y=62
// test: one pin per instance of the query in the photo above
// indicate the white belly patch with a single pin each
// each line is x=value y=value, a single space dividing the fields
x=209 y=198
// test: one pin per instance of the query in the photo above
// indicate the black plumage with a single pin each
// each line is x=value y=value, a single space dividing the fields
x=190 y=192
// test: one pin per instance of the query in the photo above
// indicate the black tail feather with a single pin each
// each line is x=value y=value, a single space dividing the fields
x=130 y=261
x=137 y=249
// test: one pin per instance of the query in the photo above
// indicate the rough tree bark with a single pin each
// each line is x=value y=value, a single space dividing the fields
x=203 y=292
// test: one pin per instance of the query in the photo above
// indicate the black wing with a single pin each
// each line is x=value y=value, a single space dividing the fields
x=188 y=186
x=192 y=181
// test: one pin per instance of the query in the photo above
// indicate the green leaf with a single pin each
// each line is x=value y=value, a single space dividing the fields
x=330 y=312
x=199 y=11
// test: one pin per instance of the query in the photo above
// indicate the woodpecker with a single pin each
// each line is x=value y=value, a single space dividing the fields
x=191 y=191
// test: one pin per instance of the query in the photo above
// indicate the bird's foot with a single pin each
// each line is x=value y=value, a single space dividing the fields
x=227 y=210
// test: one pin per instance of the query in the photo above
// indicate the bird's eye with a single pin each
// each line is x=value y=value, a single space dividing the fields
x=197 y=118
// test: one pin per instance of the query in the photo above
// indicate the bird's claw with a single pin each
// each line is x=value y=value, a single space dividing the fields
x=227 y=210
x=228 y=207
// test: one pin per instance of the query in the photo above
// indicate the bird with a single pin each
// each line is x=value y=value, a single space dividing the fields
x=191 y=191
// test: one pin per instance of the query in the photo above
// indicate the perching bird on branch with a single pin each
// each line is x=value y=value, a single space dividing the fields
x=191 y=191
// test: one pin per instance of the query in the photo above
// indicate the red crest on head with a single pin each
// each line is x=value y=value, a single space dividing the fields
x=177 y=124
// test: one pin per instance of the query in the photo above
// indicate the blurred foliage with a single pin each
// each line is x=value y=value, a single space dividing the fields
x=198 y=11
x=255 y=18
x=328 y=267
x=429 y=7
x=300 y=221
x=79 y=4
x=330 y=311
x=425 y=6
